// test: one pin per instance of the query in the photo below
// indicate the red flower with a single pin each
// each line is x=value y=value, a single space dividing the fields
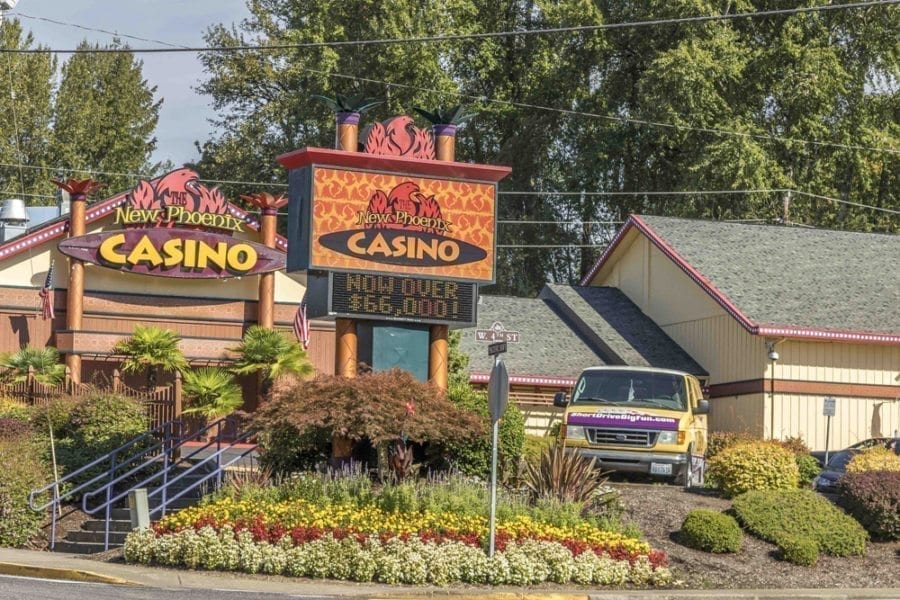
x=410 y=409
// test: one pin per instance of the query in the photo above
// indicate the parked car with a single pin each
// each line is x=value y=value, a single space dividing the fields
x=826 y=481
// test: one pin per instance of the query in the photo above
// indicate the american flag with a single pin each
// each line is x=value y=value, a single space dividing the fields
x=301 y=325
x=46 y=295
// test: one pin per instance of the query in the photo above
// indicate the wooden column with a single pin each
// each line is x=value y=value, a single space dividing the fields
x=439 y=335
x=79 y=190
x=347 y=135
x=268 y=217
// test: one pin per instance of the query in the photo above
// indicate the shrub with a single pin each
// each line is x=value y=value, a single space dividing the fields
x=776 y=515
x=566 y=476
x=799 y=551
x=13 y=428
x=711 y=531
x=283 y=449
x=808 y=468
x=534 y=446
x=473 y=457
x=719 y=440
x=11 y=409
x=878 y=458
x=22 y=472
x=749 y=466
x=873 y=498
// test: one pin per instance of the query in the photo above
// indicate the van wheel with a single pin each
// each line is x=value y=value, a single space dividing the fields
x=683 y=477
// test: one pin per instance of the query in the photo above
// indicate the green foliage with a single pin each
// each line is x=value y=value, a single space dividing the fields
x=104 y=97
x=778 y=515
x=534 y=446
x=808 y=467
x=873 y=498
x=711 y=531
x=22 y=471
x=801 y=551
x=719 y=440
x=473 y=456
x=458 y=368
x=564 y=475
x=749 y=466
x=97 y=425
x=13 y=409
x=270 y=353
x=352 y=104
x=151 y=348
x=284 y=450
x=877 y=458
x=211 y=393
x=45 y=361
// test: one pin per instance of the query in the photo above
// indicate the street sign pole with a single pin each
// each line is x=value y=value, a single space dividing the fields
x=828 y=409
x=498 y=396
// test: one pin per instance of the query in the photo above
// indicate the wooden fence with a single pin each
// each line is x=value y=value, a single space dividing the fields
x=163 y=404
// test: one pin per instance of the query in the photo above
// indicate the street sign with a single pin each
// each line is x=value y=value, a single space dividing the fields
x=828 y=407
x=496 y=348
x=498 y=390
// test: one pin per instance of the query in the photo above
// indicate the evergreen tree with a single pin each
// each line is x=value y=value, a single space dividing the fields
x=104 y=116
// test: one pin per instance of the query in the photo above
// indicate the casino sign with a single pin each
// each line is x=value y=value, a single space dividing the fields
x=179 y=228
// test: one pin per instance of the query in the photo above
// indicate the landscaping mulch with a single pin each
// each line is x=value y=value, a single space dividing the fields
x=660 y=509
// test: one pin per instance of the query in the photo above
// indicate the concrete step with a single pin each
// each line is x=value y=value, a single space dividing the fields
x=116 y=538
x=98 y=525
x=67 y=547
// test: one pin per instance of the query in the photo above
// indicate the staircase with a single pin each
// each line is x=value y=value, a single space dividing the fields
x=175 y=469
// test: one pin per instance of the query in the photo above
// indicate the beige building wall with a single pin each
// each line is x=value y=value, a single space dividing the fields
x=732 y=354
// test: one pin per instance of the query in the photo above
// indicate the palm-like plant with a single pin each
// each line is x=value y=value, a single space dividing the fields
x=47 y=368
x=151 y=348
x=271 y=354
x=211 y=393
x=348 y=104
x=563 y=475
x=453 y=115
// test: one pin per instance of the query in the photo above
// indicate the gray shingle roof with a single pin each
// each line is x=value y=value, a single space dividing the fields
x=547 y=346
x=626 y=335
x=567 y=329
x=775 y=275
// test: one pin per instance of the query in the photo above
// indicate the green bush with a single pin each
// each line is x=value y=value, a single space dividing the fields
x=22 y=472
x=777 y=515
x=873 y=498
x=473 y=457
x=711 y=531
x=808 y=468
x=719 y=440
x=748 y=466
x=533 y=447
x=799 y=551
x=11 y=409
x=283 y=449
x=878 y=458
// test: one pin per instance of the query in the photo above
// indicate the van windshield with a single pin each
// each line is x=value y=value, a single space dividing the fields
x=632 y=389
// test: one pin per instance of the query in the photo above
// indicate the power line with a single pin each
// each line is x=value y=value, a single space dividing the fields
x=471 y=36
x=99 y=30
x=616 y=119
x=639 y=193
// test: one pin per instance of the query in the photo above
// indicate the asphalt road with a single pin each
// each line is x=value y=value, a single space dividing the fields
x=26 y=588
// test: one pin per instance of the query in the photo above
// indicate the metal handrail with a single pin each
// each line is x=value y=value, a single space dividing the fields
x=167 y=429
x=112 y=498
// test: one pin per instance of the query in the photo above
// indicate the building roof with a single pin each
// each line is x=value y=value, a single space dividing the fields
x=566 y=330
x=616 y=324
x=786 y=281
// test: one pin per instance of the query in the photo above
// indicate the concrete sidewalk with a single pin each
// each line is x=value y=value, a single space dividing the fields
x=48 y=565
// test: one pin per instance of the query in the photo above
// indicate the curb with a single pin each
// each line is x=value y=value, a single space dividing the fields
x=20 y=570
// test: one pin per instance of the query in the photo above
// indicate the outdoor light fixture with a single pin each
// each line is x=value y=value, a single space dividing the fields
x=773 y=355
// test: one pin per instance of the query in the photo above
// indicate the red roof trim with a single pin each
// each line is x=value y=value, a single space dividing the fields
x=409 y=166
x=535 y=380
x=785 y=331
x=96 y=211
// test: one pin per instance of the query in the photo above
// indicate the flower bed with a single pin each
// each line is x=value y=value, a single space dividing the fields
x=366 y=543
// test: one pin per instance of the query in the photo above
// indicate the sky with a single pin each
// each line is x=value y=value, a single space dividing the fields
x=183 y=117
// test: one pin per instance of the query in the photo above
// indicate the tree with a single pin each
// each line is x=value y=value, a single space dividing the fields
x=151 y=349
x=105 y=115
x=271 y=354
x=26 y=86
x=45 y=362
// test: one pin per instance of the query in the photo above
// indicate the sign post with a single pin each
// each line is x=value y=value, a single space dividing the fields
x=498 y=396
x=828 y=409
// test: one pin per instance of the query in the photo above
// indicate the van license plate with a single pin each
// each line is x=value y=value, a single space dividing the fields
x=660 y=469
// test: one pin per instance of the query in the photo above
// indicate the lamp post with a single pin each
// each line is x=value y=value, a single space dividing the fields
x=773 y=356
